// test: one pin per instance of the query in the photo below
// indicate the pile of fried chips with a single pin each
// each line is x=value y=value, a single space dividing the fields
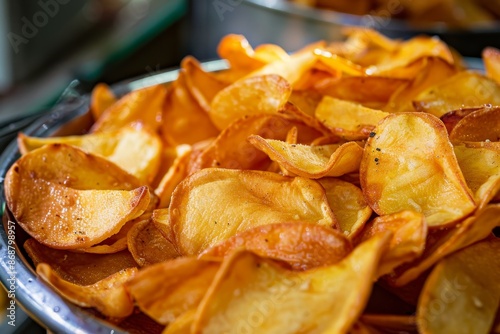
x=286 y=194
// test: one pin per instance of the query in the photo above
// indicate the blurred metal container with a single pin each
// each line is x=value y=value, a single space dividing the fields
x=292 y=26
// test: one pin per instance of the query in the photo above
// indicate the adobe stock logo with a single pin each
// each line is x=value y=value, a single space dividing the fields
x=29 y=29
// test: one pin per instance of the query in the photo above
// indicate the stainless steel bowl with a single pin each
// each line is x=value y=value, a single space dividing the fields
x=292 y=26
x=71 y=116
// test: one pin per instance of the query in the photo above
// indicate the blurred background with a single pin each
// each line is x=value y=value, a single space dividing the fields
x=47 y=44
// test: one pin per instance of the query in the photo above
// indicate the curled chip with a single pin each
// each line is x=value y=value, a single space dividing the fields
x=347 y=119
x=143 y=106
x=108 y=295
x=301 y=245
x=348 y=205
x=465 y=286
x=215 y=204
x=471 y=230
x=481 y=169
x=166 y=290
x=408 y=239
x=62 y=216
x=121 y=146
x=102 y=98
x=265 y=94
x=491 y=58
x=79 y=268
x=202 y=85
x=409 y=164
x=465 y=89
x=182 y=113
x=148 y=245
x=294 y=301
x=232 y=150
x=312 y=161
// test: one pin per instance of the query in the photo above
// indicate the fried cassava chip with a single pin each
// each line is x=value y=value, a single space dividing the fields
x=301 y=245
x=143 y=106
x=101 y=99
x=71 y=218
x=348 y=205
x=148 y=245
x=462 y=293
x=166 y=290
x=121 y=146
x=481 y=169
x=480 y=125
x=232 y=150
x=409 y=164
x=346 y=119
x=465 y=89
x=271 y=299
x=491 y=58
x=215 y=204
x=202 y=85
x=408 y=240
x=312 y=161
x=108 y=295
x=469 y=231
x=265 y=94
x=69 y=166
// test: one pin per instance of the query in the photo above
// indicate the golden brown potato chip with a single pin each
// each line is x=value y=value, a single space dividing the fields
x=166 y=290
x=101 y=99
x=491 y=59
x=239 y=53
x=348 y=205
x=409 y=164
x=67 y=165
x=113 y=244
x=451 y=118
x=254 y=295
x=293 y=112
x=231 y=149
x=79 y=268
x=142 y=106
x=480 y=125
x=264 y=94
x=300 y=245
x=312 y=161
x=434 y=70
x=202 y=85
x=306 y=100
x=481 y=169
x=465 y=89
x=400 y=323
x=67 y=218
x=215 y=204
x=462 y=293
x=121 y=146
x=148 y=245
x=108 y=295
x=469 y=231
x=346 y=119
x=175 y=174
x=182 y=115
x=408 y=240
